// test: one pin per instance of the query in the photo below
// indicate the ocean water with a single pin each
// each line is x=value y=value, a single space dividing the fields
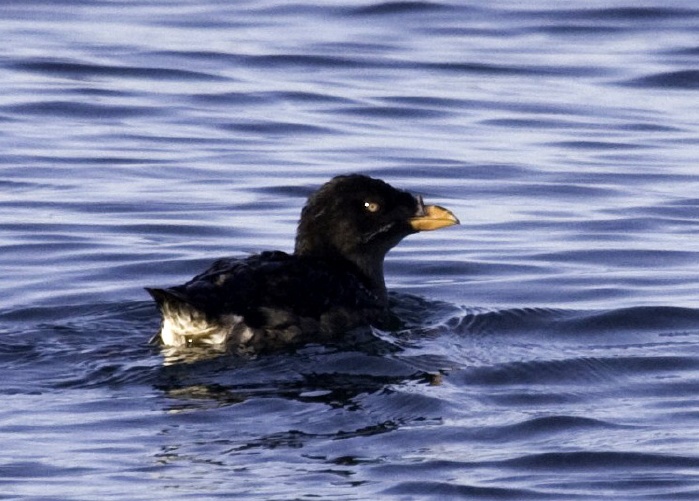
x=551 y=348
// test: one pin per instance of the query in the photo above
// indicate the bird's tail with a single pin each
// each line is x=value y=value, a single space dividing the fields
x=184 y=324
x=165 y=297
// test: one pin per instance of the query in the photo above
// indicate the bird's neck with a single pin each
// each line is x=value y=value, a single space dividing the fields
x=372 y=272
x=369 y=269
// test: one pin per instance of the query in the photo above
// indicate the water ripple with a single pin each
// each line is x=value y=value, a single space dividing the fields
x=74 y=109
x=545 y=348
x=82 y=70
x=404 y=7
x=672 y=80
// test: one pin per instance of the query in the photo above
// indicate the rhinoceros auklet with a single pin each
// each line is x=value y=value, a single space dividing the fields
x=332 y=282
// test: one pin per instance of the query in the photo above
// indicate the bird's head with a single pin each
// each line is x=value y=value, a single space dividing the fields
x=359 y=219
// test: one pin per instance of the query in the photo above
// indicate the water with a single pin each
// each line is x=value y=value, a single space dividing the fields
x=552 y=349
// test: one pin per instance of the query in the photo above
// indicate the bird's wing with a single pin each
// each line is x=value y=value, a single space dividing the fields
x=274 y=280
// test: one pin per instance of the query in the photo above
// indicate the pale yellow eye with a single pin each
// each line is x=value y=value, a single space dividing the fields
x=371 y=206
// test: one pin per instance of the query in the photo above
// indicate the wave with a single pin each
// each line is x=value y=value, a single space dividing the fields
x=107 y=345
x=79 y=69
x=670 y=80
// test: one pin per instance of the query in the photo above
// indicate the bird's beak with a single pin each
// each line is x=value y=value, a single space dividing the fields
x=431 y=217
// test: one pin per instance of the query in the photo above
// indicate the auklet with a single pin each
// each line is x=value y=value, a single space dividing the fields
x=332 y=283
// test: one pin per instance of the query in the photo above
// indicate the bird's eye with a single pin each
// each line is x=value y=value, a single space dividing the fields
x=372 y=206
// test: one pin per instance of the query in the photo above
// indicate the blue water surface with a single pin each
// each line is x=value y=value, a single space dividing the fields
x=551 y=348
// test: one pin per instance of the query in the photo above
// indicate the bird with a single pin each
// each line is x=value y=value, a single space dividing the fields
x=332 y=283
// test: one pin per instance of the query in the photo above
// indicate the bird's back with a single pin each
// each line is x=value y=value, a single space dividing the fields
x=266 y=299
